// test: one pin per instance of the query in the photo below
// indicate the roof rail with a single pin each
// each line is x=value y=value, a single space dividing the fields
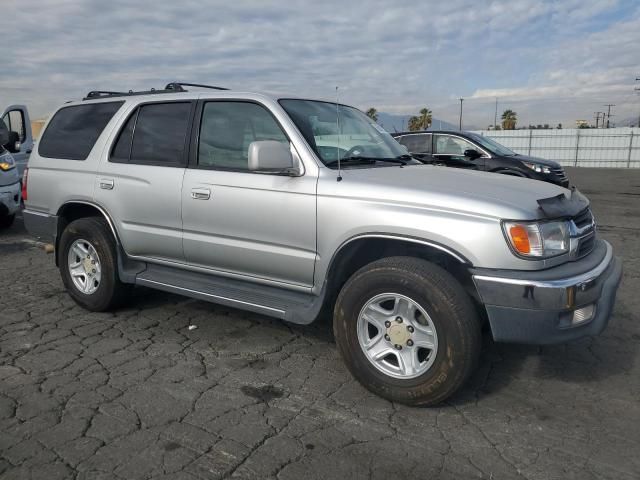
x=178 y=86
x=172 y=87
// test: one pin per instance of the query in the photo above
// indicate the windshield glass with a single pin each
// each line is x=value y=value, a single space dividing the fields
x=359 y=139
x=492 y=145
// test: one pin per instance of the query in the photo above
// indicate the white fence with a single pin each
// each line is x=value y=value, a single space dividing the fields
x=607 y=147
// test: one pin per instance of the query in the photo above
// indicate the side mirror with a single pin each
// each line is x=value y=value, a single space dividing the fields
x=13 y=145
x=271 y=156
x=4 y=136
x=472 y=154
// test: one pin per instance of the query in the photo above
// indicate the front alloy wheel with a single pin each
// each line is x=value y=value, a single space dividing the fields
x=397 y=335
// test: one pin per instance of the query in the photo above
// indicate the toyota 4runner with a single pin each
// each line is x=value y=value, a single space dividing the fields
x=292 y=207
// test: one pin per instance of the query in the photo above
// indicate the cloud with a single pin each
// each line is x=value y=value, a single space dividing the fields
x=395 y=56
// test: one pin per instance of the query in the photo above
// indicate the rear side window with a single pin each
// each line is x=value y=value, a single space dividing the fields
x=416 y=143
x=155 y=134
x=73 y=131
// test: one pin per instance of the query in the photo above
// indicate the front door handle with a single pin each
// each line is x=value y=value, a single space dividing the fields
x=200 y=193
x=106 y=184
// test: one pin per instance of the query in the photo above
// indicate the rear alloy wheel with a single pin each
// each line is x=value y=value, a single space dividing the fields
x=89 y=264
x=407 y=330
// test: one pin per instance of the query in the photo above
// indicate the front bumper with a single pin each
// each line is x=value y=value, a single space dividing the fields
x=10 y=199
x=538 y=307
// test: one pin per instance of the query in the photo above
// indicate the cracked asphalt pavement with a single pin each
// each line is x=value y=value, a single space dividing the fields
x=137 y=394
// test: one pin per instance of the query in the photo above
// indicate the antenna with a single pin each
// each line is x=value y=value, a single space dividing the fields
x=338 y=126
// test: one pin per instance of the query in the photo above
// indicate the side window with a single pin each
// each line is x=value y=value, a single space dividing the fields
x=73 y=131
x=14 y=120
x=122 y=150
x=417 y=143
x=227 y=130
x=159 y=134
x=448 y=145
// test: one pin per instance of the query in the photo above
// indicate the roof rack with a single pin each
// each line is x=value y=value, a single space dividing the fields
x=178 y=86
x=172 y=87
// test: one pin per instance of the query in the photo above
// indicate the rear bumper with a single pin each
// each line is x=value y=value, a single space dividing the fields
x=41 y=225
x=10 y=199
x=540 y=307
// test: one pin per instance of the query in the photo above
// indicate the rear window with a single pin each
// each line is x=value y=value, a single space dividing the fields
x=73 y=131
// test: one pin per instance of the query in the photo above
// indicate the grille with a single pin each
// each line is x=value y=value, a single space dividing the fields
x=583 y=219
x=586 y=245
x=559 y=172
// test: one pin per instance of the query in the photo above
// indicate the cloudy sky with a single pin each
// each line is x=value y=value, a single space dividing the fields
x=551 y=61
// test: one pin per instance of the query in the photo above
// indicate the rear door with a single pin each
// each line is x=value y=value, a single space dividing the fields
x=141 y=180
x=17 y=120
x=256 y=225
x=449 y=150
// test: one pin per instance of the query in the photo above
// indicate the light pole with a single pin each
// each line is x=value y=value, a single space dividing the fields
x=461 y=100
x=495 y=116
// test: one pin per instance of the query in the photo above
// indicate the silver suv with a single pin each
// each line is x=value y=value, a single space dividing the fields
x=292 y=207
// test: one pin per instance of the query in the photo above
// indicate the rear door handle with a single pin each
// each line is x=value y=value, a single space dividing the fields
x=106 y=184
x=200 y=193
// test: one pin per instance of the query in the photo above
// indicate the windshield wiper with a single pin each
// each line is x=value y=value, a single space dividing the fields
x=397 y=160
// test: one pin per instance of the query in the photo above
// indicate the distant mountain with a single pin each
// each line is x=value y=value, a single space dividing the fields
x=627 y=122
x=398 y=123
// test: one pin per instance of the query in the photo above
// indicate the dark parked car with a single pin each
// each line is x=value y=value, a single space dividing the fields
x=461 y=149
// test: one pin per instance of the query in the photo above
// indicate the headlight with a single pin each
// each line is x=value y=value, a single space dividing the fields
x=6 y=162
x=538 y=240
x=536 y=167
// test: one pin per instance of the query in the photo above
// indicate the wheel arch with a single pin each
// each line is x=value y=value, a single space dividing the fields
x=76 y=209
x=364 y=249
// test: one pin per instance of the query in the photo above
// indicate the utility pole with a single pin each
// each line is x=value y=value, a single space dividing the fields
x=495 y=116
x=461 y=100
x=609 y=112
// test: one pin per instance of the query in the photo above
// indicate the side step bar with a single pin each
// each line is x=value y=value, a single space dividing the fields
x=294 y=307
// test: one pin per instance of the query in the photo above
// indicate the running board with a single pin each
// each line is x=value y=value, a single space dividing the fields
x=294 y=307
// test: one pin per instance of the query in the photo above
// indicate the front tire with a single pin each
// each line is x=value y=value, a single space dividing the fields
x=88 y=262
x=407 y=330
x=7 y=220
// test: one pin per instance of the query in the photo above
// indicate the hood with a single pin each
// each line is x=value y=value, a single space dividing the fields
x=541 y=161
x=456 y=190
x=8 y=177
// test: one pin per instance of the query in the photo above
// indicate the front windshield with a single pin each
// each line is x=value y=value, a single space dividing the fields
x=358 y=141
x=492 y=145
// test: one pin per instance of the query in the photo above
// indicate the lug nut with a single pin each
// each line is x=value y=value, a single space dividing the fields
x=410 y=343
x=93 y=262
x=410 y=328
x=387 y=324
x=398 y=347
x=399 y=319
x=386 y=337
x=93 y=270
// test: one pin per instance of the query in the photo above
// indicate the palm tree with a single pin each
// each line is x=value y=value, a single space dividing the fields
x=372 y=113
x=414 y=124
x=425 y=118
x=509 y=120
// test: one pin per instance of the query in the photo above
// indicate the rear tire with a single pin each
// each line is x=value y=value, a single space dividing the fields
x=7 y=220
x=398 y=293
x=88 y=265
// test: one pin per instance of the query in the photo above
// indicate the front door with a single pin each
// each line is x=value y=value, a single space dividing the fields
x=449 y=150
x=255 y=225
x=16 y=119
x=141 y=180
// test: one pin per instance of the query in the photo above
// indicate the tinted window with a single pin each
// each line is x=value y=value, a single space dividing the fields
x=227 y=130
x=73 y=131
x=122 y=150
x=416 y=143
x=160 y=134
x=447 y=145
